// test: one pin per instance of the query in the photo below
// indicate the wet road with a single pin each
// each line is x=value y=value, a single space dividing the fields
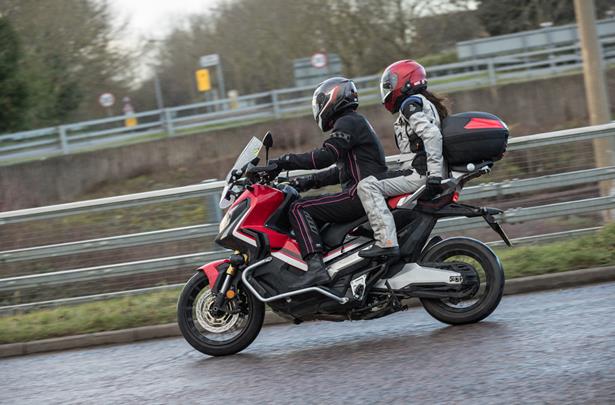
x=549 y=347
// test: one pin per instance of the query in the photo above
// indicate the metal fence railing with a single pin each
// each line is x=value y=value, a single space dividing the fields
x=547 y=37
x=147 y=242
x=206 y=116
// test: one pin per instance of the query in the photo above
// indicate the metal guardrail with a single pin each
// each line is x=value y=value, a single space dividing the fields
x=488 y=190
x=108 y=203
x=519 y=41
x=107 y=271
x=510 y=216
x=517 y=186
x=10 y=309
x=205 y=116
x=113 y=242
x=518 y=215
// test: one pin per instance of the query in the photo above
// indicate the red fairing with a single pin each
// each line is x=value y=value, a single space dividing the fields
x=483 y=123
x=291 y=248
x=395 y=200
x=211 y=270
x=267 y=200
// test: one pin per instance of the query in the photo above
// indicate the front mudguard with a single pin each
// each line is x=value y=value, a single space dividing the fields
x=213 y=270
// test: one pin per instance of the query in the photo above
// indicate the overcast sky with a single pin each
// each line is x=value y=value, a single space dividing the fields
x=153 y=18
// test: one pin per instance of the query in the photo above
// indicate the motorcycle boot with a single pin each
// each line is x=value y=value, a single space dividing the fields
x=377 y=251
x=316 y=274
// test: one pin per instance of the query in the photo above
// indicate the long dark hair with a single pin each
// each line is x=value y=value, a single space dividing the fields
x=439 y=101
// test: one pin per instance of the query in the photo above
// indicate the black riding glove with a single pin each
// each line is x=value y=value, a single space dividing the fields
x=282 y=161
x=303 y=183
x=275 y=169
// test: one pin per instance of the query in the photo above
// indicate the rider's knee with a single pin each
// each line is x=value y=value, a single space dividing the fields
x=366 y=186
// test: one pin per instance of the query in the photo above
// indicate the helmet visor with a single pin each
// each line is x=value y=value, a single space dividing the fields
x=387 y=84
x=315 y=106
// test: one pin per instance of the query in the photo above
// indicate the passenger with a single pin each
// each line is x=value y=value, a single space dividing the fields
x=403 y=88
x=357 y=152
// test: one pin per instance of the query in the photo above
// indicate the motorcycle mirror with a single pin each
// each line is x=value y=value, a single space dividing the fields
x=267 y=143
x=268 y=140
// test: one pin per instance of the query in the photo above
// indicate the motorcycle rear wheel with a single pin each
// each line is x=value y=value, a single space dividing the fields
x=221 y=335
x=490 y=273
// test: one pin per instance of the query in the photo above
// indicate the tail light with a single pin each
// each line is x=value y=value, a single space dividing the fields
x=455 y=197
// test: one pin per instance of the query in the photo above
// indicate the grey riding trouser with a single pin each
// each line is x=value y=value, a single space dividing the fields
x=373 y=193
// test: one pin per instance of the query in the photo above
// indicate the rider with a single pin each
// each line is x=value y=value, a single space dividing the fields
x=357 y=152
x=403 y=88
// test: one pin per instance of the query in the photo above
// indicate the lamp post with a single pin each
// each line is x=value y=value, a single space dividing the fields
x=157 y=87
x=158 y=91
x=595 y=90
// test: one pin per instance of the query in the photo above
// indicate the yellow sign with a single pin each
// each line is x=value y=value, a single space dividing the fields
x=203 y=83
x=131 y=122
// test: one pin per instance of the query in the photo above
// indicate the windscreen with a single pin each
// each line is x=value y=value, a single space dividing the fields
x=251 y=151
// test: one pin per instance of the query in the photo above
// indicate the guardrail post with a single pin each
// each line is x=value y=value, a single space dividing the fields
x=274 y=102
x=552 y=64
x=63 y=139
x=168 y=122
x=491 y=71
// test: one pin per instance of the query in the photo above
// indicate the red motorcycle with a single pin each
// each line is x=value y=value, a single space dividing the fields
x=221 y=309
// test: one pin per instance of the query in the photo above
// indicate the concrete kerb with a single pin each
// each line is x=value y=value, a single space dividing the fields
x=515 y=286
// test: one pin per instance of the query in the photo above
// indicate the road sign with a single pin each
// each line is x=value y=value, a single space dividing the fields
x=106 y=100
x=212 y=60
x=319 y=60
x=203 y=82
x=209 y=60
x=316 y=68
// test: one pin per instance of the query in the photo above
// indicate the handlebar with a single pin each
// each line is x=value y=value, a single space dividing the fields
x=263 y=174
x=272 y=167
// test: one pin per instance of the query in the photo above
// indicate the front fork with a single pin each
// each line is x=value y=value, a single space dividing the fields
x=225 y=292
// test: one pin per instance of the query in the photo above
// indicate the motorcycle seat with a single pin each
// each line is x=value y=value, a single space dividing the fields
x=333 y=234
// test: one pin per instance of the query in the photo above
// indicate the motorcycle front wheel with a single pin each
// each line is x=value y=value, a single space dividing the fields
x=218 y=335
x=485 y=299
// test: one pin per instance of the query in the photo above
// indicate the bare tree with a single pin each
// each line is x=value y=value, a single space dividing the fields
x=504 y=17
x=258 y=39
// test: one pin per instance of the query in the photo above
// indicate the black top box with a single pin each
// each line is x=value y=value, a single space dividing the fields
x=473 y=137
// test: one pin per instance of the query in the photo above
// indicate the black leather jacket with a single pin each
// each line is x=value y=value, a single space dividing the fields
x=353 y=146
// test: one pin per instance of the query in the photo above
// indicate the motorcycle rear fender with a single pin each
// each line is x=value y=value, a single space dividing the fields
x=457 y=209
x=213 y=270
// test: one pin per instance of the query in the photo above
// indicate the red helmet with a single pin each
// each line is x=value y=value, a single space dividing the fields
x=400 y=80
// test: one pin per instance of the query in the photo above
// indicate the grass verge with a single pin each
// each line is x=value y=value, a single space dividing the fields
x=158 y=308
x=118 y=313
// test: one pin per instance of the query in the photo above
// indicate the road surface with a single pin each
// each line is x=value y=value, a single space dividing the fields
x=552 y=347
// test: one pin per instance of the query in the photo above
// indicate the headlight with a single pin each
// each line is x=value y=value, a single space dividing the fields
x=226 y=220
x=230 y=220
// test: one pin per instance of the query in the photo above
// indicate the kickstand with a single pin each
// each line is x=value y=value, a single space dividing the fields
x=395 y=301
